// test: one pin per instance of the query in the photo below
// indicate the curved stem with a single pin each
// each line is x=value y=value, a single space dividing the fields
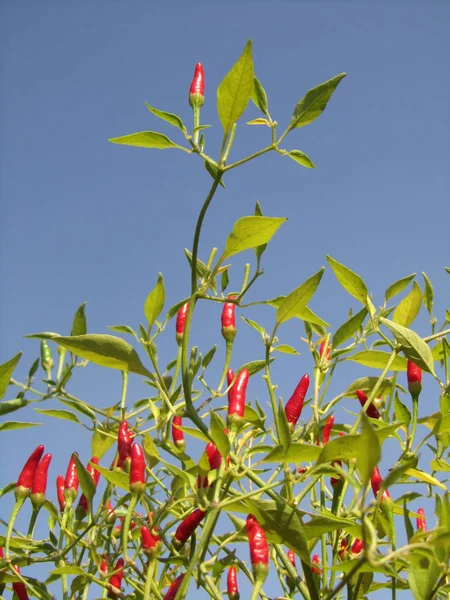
x=15 y=511
x=124 y=393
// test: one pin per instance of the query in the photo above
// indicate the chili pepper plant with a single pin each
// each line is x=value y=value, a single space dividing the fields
x=288 y=490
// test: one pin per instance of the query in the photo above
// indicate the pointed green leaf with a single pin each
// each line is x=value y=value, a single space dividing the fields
x=314 y=102
x=376 y=359
x=341 y=448
x=79 y=325
x=398 y=286
x=370 y=453
x=218 y=435
x=196 y=433
x=58 y=414
x=251 y=232
x=285 y=349
x=254 y=325
x=301 y=158
x=86 y=482
x=409 y=307
x=350 y=281
x=11 y=425
x=295 y=453
x=259 y=250
x=209 y=356
x=145 y=139
x=402 y=412
x=235 y=90
x=6 y=370
x=283 y=427
x=101 y=443
x=254 y=366
x=306 y=314
x=166 y=116
x=412 y=345
x=155 y=301
x=428 y=296
x=122 y=329
x=367 y=384
x=117 y=478
x=350 y=327
x=151 y=451
x=259 y=97
x=299 y=298
x=213 y=170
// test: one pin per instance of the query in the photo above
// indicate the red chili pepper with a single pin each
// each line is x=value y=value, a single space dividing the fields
x=19 y=587
x=291 y=557
x=25 y=480
x=71 y=481
x=214 y=459
x=60 y=492
x=327 y=429
x=197 y=89
x=421 y=521
x=316 y=561
x=229 y=321
x=322 y=350
x=124 y=444
x=177 y=434
x=181 y=322
x=137 y=470
x=376 y=482
x=82 y=508
x=414 y=376
x=116 y=580
x=40 y=481
x=371 y=410
x=104 y=565
x=294 y=405
x=358 y=546
x=151 y=543
x=232 y=585
x=259 y=549
x=236 y=396
x=175 y=586
x=343 y=548
x=187 y=527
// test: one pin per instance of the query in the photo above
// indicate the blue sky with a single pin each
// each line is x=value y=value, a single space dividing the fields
x=85 y=220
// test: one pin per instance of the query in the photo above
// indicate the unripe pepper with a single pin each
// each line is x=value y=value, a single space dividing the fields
x=60 y=492
x=181 y=323
x=232 y=586
x=187 y=527
x=421 y=521
x=327 y=429
x=371 y=410
x=124 y=442
x=259 y=549
x=116 y=580
x=151 y=543
x=40 y=481
x=316 y=561
x=177 y=434
x=83 y=506
x=357 y=546
x=137 y=470
x=175 y=586
x=19 y=587
x=229 y=321
x=110 y=514
x=294 y=405
x=71 y=481
x=236 y=396
x=47 y=361
x=25 y=481
x=197 y=89
x=414 y=376
x=376 y=481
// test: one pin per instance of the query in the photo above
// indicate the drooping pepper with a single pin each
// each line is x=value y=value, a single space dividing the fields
x=357 y=546
x=327 y=429
x=60 y=492
x=124 y=442
x=187 y=527
x=236 y=397
x=25 y=480
x=71 y=481
x=421 y=521
x=259 y=549
x=414 y=377
x=174 y=587
x=371 y=410
x=177 y=434
x=294 y=405
x=40 y=481
x=115 y=581
x=197 y=89
x=229 y=321
x=137 y=469
x=151 y=543
x=19 y=587
x=316 y=561
x=232 y=585
x=376 y=481
x=181 y=323
x=82 y=508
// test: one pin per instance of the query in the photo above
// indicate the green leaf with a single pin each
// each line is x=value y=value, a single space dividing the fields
x=11 y=425
x=285 y=349
x=218 y=435
x=412 y=345
x=409 y=307
x=259 y=121
x=402 y=412
x=151 y=451
x=298 y=299
x=155 y=301
x=86 y=482
x=213 y=170
x=145 y=139
x=58 y=414
x=196 y=433
x=259 y=250
x=398 y=286
x=283 y=427
x=341 y=448
x=439 y=465
x=377 y=359
x=325 y=523
x=80 y=406
x=428 y=296
x=235 y=90
x=350 y=281
x=350 y=327
x=425 y=477
x=422 y=576
x=295 y=453
x=285 y=524
x=166 y=116
x=79 y=325
x=306 y=314
x=314 y=102
x=252 y=416
x=105 y=350
x=367 y=384
x=254 y=366
x=250 y=232
x=254 y=325
x=301 y=158
x=224 y=281
x=117 y=478
x=259 y=97
x=69 y=570
x=101 y=443
x=209 y=356
x=122 y=329
x=9 y=406
x=6 y=370
x=370 y=453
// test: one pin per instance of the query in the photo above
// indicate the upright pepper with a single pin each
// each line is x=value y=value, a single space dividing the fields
x=82 y=508
x=177 y=434
x=124 y=442
x=187 y=527
x=181 y=323
x=214 y=460
x=175 y=586
x=104 y=565
x=327 y=429
x=197 y=89
x=25 y=481
x=115 y=581
x=236 y=397
x=343 y=549
x=232 y=585
x=294 y=405
x=137 y=470
x=289 y=581
x=47 y=361
x=40 y=481
x=71 y=481
x=60 y=492
x=421 y=521
x=19 y=587
x=376 y=481
x=151 y=543
x=322 y=350
x=229 y=321
x=371 y=410
x=357 y=546
x=316 y=561
x=259 y=549
x=414 y=377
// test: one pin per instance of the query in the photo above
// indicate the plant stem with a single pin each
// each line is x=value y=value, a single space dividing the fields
x=15 y=511
x=415 y=415
x=124 y=393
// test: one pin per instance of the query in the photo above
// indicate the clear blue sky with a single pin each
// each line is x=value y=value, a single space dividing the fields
x=85 y=220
